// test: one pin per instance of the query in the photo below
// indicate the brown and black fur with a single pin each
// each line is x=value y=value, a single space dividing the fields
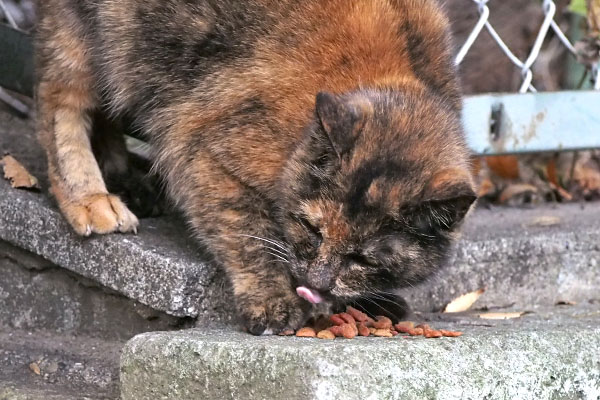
x=311 y=142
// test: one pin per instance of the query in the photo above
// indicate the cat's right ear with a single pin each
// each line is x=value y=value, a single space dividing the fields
x=341 y=120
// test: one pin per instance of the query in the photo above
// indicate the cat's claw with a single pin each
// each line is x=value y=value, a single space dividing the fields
x=278 y=313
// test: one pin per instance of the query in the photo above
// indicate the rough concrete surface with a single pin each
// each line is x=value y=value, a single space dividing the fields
x=68 y=367
x=160 y=267
x=524 y=257
x=552 y=354
x=35 y=294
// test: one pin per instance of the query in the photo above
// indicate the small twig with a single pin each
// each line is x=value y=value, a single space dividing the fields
x=13 y=102
x=9 y=17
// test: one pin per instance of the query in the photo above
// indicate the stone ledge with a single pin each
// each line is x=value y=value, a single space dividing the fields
x=547 y=355
x=160 y=267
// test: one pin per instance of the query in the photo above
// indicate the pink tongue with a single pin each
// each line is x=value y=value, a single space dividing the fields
x=308 y=294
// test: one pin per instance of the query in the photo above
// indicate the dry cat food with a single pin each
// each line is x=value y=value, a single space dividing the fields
x=354 y=323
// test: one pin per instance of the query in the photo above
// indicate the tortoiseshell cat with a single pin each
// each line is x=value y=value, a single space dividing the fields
x=315 y=146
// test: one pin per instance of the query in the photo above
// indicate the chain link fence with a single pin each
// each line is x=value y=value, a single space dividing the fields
x=525 y=66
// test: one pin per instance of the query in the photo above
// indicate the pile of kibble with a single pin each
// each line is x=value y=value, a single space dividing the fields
x=354 y=323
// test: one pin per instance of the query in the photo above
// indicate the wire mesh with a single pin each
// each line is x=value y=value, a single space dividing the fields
x=525 y=66
x=548 y=25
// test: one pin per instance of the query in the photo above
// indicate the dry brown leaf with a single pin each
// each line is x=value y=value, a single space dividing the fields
x=587 y=177
x=513 y=190
x=544 y=220
x=16 y=173
x=501 y=315
x=35 y=368
x=506 y=167
x=464 y=302
x=551 y=172
x=566 y=303
x=486 y=187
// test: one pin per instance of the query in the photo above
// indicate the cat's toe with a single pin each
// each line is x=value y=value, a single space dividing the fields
x=278 y=313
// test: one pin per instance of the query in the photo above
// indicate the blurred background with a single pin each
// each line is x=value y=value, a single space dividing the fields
x=568 y=176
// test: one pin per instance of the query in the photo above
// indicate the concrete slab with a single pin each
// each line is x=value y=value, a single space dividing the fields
x=161 y=267
x=552 y=354
x=68 y=367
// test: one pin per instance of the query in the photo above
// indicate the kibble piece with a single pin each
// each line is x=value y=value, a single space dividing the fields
x=382 y=323
x=287 y=332
x=356 y=314
x=394 y=333
x=347 y=318
x=423 y=326
x=325 y=334
x=372 y=330
x=363 y=330
x=307 y=331
x=432 y=333
x=404 y=326
x=383 y=333
x=415 y=332
x=336 y=330
x=450 y=333
x=337 y=320
x=348 y=331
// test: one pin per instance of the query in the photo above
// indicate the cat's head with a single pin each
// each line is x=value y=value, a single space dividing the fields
x=373 y=195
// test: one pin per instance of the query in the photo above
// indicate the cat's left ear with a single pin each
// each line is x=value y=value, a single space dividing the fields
x=342 y=119
x=449 y=197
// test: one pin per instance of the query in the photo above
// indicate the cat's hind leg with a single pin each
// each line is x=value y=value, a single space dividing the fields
x=66 y=100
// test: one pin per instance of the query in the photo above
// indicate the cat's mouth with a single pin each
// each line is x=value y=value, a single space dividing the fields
x=309 y=295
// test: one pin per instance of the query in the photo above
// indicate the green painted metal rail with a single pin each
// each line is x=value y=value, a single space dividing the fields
x=494 y=123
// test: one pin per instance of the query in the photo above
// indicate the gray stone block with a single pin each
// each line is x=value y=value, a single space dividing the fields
x=35 y=294
x=524 y=257
x=160 y=267
x=553 y=354
x=70 y=367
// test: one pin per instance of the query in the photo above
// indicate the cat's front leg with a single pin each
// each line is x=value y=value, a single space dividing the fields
x=267 y=303
x=236 y=224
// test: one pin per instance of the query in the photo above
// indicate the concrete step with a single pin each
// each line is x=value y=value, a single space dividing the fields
x=70 y=367
x=549 y=354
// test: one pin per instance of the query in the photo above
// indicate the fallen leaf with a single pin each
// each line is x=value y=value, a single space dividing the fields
x=566 y=303
x=486 y=187
x=516 y=189
x=35 y=368
x=544 y=220
x=501 y=315
x=464 y=302
x=18 y=176
x=506 y=167
x=562 y=192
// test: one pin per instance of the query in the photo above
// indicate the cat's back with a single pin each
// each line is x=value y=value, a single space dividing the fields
x=159 y=49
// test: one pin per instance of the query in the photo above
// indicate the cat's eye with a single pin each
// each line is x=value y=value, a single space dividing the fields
x=359 y=259
x=313 y=230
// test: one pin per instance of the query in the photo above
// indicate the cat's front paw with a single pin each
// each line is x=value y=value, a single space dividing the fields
x=274 y=314
x=99 y=213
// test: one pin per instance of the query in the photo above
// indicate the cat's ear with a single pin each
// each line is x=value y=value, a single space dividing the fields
x=448 y=198
x=342 y=120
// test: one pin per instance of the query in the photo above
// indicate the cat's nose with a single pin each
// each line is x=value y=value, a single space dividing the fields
x=320 y=277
